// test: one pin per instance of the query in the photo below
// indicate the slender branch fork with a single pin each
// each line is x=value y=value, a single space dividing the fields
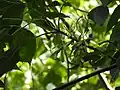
x=85 y=77
x=79 y=79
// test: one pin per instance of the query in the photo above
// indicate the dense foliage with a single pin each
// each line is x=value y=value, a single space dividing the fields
x=59 y=44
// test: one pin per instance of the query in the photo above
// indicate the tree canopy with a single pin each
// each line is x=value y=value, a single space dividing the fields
x=60 y=44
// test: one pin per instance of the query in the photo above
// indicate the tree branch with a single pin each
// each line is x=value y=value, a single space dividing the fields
x=71 y=37
x=86 y=77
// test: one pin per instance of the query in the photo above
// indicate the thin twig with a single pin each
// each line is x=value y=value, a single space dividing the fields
x=54 y=32
x=85 y=77
x=101 y=78
x=80 y=10
x=21 y=28
x=68 y=68
x=71 y=37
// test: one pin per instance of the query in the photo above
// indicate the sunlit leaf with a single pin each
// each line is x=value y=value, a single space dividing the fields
x=76 y=3
x=60 y=70
x=49 y=78
x=17 y=79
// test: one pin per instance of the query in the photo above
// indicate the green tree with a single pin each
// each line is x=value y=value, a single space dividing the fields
x=59 y=44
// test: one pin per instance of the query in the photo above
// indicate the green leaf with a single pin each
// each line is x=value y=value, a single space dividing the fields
x=3 y=5
x=40 y=47
x=11 y=15
x=101 y=62
x=67 y=4
x=3 y=33
x=106 y=2
x=45 y=24
x=5 y=36
x=98 y=29
x=114 y=18
x=55 y=54
x=57 y=40
x=76 y=3
x=53 y=15
x=114 y=74
x=99 y=14
x=27 y=43
x=60 y=70
x=91 y=56
x=65 y=22
x=115 y=36
x=117 y=88
x=49 y=78
x=36 y=7
x=9 y=60
x=62 y=56
x=41 y=5
x=54 y=3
